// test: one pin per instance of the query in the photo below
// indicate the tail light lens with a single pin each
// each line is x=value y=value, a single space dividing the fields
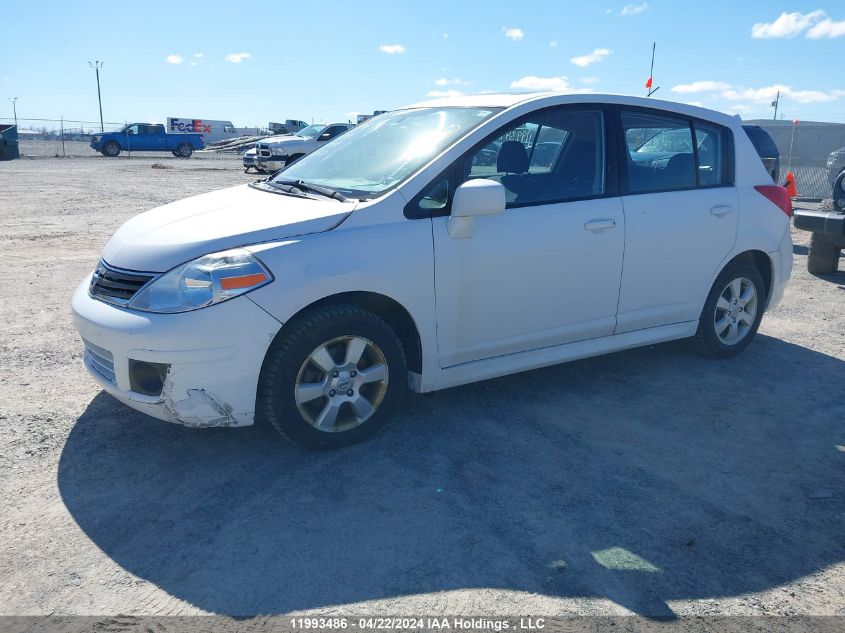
x=779 y=196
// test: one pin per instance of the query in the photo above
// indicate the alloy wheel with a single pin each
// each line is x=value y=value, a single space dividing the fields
x=736 y=310
x=341 y=384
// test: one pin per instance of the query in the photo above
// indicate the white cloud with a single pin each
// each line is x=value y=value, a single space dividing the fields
x=445 y=36
x=237 y=58
x=591 y=58
x=174 y=59
x=634 y=9
x=553 y=44
x=193 y=64
x=443 y=81
x=827 y=28
x=787 y=25
x=701 y=86
x=199 y=55
x=392 y=49
x=769 y=94
x=513 y=34
x=589 y=80
x=445 y=93
x=558 y=84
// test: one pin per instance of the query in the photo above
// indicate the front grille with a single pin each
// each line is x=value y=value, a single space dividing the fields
x=117 y=286
x=264 y=151
x=100 y=360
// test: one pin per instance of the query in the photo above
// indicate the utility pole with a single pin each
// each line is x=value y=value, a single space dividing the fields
x=775 y=106
x=14 y=101
x=96 y=66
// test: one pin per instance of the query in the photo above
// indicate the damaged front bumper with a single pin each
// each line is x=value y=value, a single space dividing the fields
x=210 y=359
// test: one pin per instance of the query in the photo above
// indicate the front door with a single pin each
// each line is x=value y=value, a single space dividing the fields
x=546 y=271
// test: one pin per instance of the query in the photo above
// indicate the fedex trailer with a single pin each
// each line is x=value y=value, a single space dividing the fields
x=210 y=129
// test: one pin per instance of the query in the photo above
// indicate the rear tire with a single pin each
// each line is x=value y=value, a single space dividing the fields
x=332 y=377
x=732 y=312
x=184 y=150
x=823 y=256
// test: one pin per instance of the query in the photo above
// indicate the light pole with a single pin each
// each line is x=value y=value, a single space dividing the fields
x=14 y=101
x=96 y=66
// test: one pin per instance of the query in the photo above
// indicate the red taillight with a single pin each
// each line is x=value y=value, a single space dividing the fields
x=779 y=196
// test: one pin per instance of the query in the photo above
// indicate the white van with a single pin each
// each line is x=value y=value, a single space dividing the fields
x=436 y=245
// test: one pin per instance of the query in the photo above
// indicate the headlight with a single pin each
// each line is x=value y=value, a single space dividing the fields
x=203 y=282
x=96 y=138
x=278 y=151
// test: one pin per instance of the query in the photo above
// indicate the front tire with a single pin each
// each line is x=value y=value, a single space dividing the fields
x=732 y=312
x=111 y=149
x=332 y=377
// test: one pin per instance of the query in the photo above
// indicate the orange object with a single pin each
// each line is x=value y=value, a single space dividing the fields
x=243 y=281
x=791 y=189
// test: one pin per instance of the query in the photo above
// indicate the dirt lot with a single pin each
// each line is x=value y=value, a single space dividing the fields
x=651 y=481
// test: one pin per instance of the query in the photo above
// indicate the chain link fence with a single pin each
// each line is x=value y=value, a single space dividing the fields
x=804 y=150
x=41 y=138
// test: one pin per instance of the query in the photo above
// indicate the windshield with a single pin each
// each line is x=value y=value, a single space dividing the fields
x=311 y=131
x=381 y=153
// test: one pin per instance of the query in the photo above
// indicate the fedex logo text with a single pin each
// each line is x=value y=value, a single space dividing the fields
x=189 y=125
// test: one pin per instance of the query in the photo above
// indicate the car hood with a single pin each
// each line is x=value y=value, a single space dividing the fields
x=167 y=236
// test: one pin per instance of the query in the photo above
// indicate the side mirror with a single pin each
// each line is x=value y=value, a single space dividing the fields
x=474 y=198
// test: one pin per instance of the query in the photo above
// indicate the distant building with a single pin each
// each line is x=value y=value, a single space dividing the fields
x=814 y=140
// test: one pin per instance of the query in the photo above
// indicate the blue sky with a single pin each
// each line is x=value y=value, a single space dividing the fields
x=266 y=62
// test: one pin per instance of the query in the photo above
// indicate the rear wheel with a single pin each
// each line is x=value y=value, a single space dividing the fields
x=332 y=377
x=111 y=149
x=185 y=150
x=732 y=312
x=823 y=256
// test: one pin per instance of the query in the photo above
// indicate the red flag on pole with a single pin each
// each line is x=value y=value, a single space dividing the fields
x=648 y=83
x=795 y=120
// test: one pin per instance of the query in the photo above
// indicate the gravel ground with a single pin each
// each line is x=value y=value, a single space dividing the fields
x=651 y=481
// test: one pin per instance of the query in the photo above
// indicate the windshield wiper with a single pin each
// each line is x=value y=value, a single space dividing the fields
x=302 y=185
x=281 y=187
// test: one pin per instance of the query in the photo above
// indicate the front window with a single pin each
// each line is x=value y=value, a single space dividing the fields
x=311 y=131
x=378 y=155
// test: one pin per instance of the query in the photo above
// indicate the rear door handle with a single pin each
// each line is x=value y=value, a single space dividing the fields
x=599 y=225
x=721 y=209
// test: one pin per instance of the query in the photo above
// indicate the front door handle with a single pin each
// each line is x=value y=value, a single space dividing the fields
x=721 y=209
x=599 y=225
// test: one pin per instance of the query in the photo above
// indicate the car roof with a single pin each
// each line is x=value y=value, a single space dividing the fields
x=508 y=100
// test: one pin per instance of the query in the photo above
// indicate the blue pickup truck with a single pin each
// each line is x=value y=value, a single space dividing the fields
x=146 y=137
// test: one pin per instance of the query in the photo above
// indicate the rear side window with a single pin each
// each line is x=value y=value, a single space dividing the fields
x=710 y=143
x=659 y=152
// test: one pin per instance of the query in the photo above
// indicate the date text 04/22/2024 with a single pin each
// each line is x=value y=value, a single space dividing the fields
x=419 y=623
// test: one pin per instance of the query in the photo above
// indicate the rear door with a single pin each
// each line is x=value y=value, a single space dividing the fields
x=680 y=214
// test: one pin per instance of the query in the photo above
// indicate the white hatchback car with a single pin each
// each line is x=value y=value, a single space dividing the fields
x=440 y=244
